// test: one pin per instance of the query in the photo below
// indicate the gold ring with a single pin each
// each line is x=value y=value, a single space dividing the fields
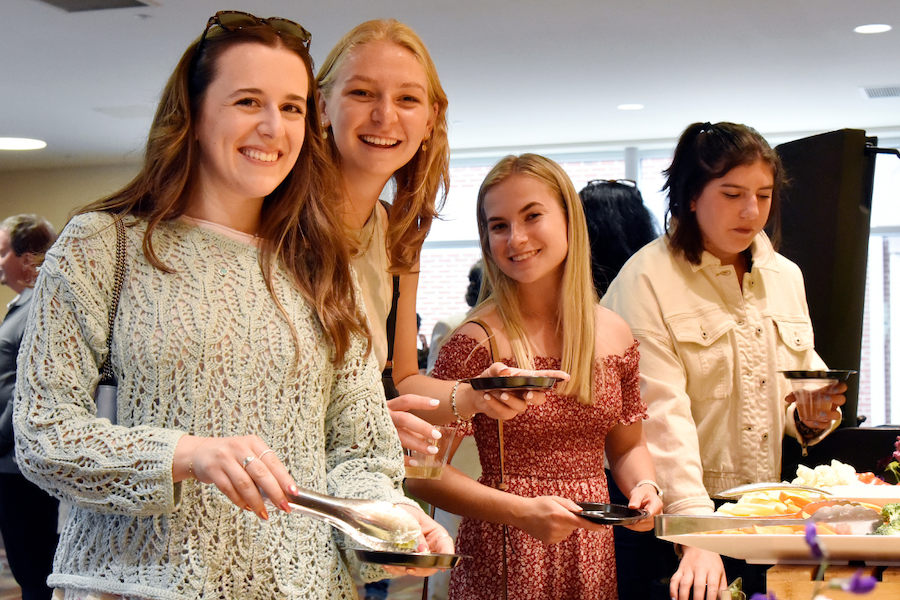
x=248 y=460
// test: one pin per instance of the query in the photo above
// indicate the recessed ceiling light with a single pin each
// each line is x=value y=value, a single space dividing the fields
x=874 y=28
x=21 y=144
x=630 y=106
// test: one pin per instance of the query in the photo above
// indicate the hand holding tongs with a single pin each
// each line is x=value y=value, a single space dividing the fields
x=376 y=524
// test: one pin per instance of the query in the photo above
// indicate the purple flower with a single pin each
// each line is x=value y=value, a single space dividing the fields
x=769 y=596
x=897 y=449
x=812 y=540
x=859 y=584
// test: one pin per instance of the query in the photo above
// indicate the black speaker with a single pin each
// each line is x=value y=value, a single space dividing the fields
x=825 y=230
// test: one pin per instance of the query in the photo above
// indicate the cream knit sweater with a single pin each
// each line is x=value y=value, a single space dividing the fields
x=202 y=350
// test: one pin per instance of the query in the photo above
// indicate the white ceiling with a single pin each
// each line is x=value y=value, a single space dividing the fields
x=519 y=73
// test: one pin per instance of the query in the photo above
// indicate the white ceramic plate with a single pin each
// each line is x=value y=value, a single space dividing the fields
x=773 y=549
x=873 y=494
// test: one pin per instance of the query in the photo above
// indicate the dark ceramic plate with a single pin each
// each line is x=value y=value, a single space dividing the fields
x=610 y=514
x=818 y=374
x=407 y=559
x=513 y=383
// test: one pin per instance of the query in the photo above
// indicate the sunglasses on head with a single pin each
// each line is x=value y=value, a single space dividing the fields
x=628 y=182
x=233 y=20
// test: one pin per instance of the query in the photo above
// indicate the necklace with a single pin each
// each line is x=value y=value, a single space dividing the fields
x=363 y=237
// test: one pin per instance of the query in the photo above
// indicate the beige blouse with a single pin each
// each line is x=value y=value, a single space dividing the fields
x=371 y=264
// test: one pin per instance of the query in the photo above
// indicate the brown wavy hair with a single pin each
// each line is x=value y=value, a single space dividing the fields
x=299 y=230
x=422 y=183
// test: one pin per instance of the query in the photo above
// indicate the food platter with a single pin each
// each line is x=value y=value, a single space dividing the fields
x=421 y=560
x=513 y=383
x=610 y=514
x=774 y=549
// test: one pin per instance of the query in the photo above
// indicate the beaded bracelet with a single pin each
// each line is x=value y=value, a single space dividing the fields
x=458 y=416
x=649 y=482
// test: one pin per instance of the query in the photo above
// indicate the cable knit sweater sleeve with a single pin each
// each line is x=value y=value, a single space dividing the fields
x=362 y=449
x=61 y=445
x=363 y=452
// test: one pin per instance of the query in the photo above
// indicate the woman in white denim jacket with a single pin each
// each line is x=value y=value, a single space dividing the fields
x=718 y=313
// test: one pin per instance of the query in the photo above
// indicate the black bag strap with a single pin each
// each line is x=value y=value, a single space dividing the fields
x=106 y=372
x=392 y=320
x=392 y=316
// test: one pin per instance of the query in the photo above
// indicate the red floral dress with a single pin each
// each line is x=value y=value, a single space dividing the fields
x=552 y=449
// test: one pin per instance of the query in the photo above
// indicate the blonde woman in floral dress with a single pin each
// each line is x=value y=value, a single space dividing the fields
x=542 y=314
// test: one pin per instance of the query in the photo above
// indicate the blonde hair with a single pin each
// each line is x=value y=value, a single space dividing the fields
x=419 y=182
x=577 y=297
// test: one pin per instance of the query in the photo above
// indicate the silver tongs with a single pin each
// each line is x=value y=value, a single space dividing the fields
x=375 y=524
x=740 y=490
x=665 y=525
x=854 y=517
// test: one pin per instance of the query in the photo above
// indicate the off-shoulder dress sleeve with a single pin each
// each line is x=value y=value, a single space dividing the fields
x=633 y=407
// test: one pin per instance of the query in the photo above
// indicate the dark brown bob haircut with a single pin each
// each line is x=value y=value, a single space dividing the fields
x=705 y=152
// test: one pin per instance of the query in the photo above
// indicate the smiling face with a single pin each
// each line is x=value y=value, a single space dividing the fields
x=527 y=230
x=733 y=209
x=250 y=128
x=378 y=109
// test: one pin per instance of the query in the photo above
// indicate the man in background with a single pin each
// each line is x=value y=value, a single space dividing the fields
x=28 y=515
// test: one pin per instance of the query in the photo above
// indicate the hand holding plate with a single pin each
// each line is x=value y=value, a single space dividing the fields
x=550 y=519
x=503 y=392
x=645 y=498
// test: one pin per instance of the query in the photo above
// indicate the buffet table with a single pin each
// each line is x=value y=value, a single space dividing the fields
x=792 y=576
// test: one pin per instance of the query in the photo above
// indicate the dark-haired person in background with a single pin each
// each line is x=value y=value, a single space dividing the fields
x=618 y=226
x=719 y=313
x=28 y=514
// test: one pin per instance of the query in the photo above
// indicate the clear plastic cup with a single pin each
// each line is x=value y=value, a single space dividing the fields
x=421 y=465
x=812 y=393
x=813 y=399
